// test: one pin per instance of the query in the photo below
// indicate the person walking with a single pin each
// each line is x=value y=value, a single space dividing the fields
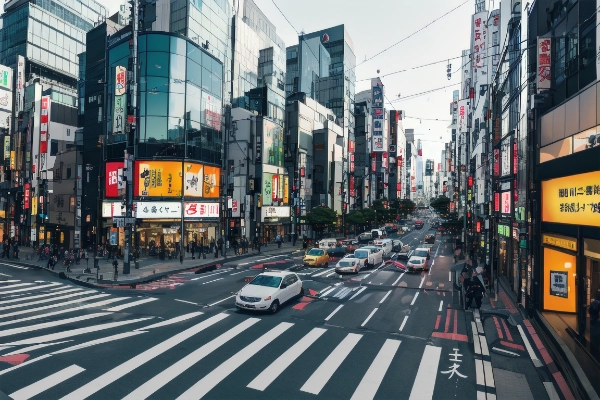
x=193 y=247
x=15 y=249
x=278 y=239
x=115 y=267
x=474 y=291
x=51 y=263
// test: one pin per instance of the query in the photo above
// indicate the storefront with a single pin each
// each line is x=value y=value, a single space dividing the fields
x=570 y=255
x=159 y=225
x=275 y=220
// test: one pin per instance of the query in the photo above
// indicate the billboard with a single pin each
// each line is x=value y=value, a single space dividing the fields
x=506 y=155
x=505 y=202
x=572 y=200
x=20 y=84
x=164 y=179
x=544 y=61
x=273 y=143
x=114 y=178
x=6 y=147
x=44 y=123
x=6 y=101
x=379 y=140
x=478 y=39
x=119 y=99
x=273 y=189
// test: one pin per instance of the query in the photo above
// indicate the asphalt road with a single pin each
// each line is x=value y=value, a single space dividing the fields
x=381 y=334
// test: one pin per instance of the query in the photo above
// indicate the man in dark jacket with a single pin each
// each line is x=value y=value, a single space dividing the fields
x=474 y=290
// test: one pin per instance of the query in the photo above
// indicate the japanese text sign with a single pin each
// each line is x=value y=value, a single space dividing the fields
x=573 y=200
x=544 y=60
x=478 y=49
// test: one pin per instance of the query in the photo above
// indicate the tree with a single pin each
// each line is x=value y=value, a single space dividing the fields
x=381 y=212
x=369 y=215
x=321 y=217
x=355 y=217
x=441 y=204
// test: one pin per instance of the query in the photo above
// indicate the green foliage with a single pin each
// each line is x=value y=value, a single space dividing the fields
x=369 y=215
x=320 y=216
x=355 y=217
x=440 y=204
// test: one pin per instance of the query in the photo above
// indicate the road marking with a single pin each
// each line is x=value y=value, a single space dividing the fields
x=441 y=305
x=321 y=273
x=385 y=297
x=206 y=276
x=449 y=276
x=10 y=276
x=214 y=280
x=14 y=286
x=220 y=301
x=39 y=296
x=334 y=311
x=324 y=290
x=51 y=324
x=403 y=323
x=506 y=351
x=171 y=321
x=47 y=383
x=532 y=355
x=323 y=294
x=235 y=273
x=121 y=370
x=94 y=342
x=332 y=273
x=369 y=384
x=91 y=305
x=206 y=384
x=24 y=350
x=414 y=298
x=67 y=296
x=31 y=288
x=422 y=280
x=325 y=371
x=343 y=293
x=187 y=302
x=362 y=289
x=397 y=280
x=128 y=305
x=369 y=317
x=30 y=310
x=151 y=386
x=14 y=266
x=277 y=367
x=424 y=383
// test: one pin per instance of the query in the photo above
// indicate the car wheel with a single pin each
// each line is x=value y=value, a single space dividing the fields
x=301 y=291
x=274 y=307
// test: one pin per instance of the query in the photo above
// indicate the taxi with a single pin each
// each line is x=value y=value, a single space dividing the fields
x=316 y=258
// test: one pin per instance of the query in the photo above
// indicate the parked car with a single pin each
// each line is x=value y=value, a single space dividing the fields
x=268 y=291
x=429 y=238
x=350 y=245
x=419 y=260
x=349 y=265
x=316 y=258
x=371 y=255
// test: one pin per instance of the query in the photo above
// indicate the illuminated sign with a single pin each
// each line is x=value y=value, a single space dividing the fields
x=26 y=196
x=114 y=178
x=44 y=121
x=505 y=203
x=559 y=241
x=164 y=179
x=573 y=200
x=544 y=61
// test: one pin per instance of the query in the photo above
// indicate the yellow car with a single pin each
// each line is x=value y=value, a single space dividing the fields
x=316 y=258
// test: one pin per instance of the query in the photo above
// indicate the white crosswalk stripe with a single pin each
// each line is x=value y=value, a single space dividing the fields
x=46 y=383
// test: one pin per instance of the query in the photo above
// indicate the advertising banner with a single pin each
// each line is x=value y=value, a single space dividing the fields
x=267 y=189
x=44 y=123
x=114 y=178
x=6 y=95
x=463 y=112
x=507 y=154
x=201 y=210
x=211 y=182
x=494 y=31
x=158 y=209
x=6 y=78
x=573 y=200
x=34 y=205
x=112 y=209
x=478 y=39
x=6 y=147
x=544 y=62
x=119 y=99
x=286 y=190
x=275 y=212
x=157 y=178
x=506 y=203
x=20 y=84
x=201 y=180
x=120 y=80
x=26 y=195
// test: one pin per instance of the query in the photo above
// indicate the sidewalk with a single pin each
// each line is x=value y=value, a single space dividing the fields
x=150 y=268
x=516 y=364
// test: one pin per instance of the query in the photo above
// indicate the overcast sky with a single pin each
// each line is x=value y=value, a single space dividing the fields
x=378 y=24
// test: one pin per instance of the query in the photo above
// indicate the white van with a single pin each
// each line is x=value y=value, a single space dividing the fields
x=378 y=233
x=327 y=243
x=386 y=245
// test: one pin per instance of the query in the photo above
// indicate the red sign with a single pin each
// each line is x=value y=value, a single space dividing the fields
x=203 y=210
x=351 y=163
x=44 y=120
x=478 y=226
x=451 y=206
x=515 y=158
x=496 y=202
x=352 y=186
x=113 y=170
x=302 y=172
x=234 y=206
x=26 y=195
x=470 y=181
x=420 y=152
x=496 y=162
x=373 y=165
x=384 y=160
x=350 y=146
x=275 y=188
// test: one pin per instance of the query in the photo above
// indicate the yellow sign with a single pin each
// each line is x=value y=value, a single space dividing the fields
x=565 y=243
x=2 y=214
x=573 y=200
x=34 y=205
x=164 y=179
x=286 y=190
x=12 y=159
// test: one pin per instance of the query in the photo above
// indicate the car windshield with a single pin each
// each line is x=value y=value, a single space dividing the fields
x=315 y=252
x=346 y=263
x=416 y=260
x=421 y=253
x=266 y=280
x=361 y=254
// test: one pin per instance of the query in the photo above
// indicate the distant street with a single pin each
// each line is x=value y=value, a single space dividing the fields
x=381 y=334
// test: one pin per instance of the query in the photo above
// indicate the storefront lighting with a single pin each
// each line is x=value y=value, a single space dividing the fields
x=568 y=265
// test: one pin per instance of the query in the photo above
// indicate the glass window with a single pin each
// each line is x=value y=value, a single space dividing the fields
x=194 y=53
x=216 y=85
x=192 y=108
x=142 y=43
x=206 y=80
x=175 y=130
x=194 y=72
x=178 y=46
x=156 y=129
x=207 y=61
x=143 y=103
x=158 y=42
x=217 y=69
x=157 y=64
x=177 y=67
x=176 y=105
x=156 y=103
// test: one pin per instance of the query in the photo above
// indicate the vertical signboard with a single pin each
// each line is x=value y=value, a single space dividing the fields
x=26 y=196
x=507 y=153
x=478 y=39
x=44 y=122
x=5 y=96
x=494 y=31
x=463 y=112
x=6 y=147
x=120 y=100
x=19 y=106
x=378 y=140
x=544 y=60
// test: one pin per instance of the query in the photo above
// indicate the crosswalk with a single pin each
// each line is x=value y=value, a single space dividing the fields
x=203 y=355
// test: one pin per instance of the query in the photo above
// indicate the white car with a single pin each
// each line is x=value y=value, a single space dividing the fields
x=370 y=256
x=349 y=264
x=419 y=260
x=268 y=291
x=405 y=229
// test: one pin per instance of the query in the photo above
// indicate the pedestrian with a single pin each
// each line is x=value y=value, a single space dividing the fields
x=15 y=249
x=278 y=239
x=115 y=267
x=193 y=245
x=51 y=263
x=234 y=243
x=474 y=290
x=258 y=243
